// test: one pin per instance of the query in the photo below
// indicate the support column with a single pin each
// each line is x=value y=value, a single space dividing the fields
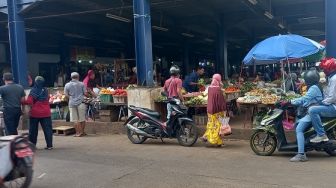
x=222 y=63
x=143 y=42
x=330 y=27
x=17 y=40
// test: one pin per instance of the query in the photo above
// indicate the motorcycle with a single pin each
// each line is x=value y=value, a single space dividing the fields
x=16 y=156
x=270 y=135
x=145 y=123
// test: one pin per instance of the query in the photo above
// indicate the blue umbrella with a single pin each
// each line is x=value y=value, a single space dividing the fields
x=282 y=47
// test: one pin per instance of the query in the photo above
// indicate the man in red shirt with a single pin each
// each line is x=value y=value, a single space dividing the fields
x=173 y=87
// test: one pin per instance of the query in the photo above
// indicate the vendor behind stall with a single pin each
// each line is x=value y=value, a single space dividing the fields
x=190 y=83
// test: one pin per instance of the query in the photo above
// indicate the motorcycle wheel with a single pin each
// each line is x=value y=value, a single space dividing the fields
x=187 y=134
x=132 y=136
x=263 y=143
x=331 y=136
x=24 y=175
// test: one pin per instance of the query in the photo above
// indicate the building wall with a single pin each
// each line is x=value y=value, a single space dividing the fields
x=34 y=59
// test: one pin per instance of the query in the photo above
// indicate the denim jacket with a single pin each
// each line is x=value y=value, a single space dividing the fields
x=313 y=96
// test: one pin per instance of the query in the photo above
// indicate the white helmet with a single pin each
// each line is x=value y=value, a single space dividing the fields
x=174 y=70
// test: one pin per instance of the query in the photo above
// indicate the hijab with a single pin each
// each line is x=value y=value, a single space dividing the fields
x=216 y=80
x=87 y=77
x=39 y=92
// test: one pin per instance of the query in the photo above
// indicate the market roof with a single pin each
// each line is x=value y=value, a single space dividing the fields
x=84 y=22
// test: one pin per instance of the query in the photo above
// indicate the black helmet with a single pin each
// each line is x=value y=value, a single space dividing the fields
x=311 y=77
x=174 y=70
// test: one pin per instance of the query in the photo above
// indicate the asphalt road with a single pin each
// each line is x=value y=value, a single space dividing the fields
x=112 y=161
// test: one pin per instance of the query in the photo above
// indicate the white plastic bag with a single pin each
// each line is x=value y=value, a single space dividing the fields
x=5 y=158
x=225 y=129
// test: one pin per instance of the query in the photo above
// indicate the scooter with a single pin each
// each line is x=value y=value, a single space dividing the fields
x=16 y=156
x=145 y=123
x=270 y=135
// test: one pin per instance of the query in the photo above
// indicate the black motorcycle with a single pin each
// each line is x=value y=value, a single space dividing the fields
x=145 y=123
x=270 y=135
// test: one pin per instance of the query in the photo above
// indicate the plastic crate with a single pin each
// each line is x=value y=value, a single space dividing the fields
x=120 y=99
x=105 y=98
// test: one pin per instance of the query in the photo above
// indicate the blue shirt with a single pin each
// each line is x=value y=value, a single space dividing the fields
x=193 y=77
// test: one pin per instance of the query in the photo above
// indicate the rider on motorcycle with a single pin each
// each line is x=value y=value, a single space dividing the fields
x=328 y=106
x=173 y=88
x=313 y=96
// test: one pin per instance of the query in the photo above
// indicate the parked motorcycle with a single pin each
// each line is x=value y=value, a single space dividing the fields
x=16 y=156
x=271 y=135
x=144 y=123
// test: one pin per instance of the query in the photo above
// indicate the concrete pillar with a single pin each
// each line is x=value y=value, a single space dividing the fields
x=143 y=42
x=17 y=40
x=330 y=27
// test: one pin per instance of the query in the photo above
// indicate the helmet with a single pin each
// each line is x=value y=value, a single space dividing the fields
x=328 y=65
x=311 y=77
x=174 y=70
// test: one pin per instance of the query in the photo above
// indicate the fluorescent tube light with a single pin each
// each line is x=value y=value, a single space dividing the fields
x=188 y=35
x=268 y=15
x=31 y=30
x=281 y=26
x=119 y=18
x=208 y=40
x=253 y=2
x=160 y=28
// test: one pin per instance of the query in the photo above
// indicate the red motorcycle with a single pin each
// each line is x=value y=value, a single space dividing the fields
x=145 y=123
x=16 y=156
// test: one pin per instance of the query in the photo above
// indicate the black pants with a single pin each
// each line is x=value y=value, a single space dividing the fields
x=46 y=125
x=11 y=119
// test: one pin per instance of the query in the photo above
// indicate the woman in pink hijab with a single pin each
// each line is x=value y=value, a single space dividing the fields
x=216 y=109
x=89 y=80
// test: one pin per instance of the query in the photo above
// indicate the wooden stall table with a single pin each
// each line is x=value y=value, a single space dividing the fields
x=122 y=108
x=253 y=108
x=58 y=106
x=231 y=100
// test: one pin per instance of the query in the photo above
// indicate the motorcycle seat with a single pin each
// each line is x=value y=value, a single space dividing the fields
x=149 y=112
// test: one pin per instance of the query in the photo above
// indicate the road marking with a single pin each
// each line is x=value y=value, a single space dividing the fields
x=41 y=176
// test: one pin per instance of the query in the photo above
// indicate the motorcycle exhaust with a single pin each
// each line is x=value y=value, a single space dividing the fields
x=138 y=131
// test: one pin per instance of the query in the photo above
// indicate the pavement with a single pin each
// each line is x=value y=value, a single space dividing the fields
x=106 y=161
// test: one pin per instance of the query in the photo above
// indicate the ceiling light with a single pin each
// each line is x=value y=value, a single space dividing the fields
x=268 y=15
x=75 y=36
x=281 y=26
x=31 y=30
x=160 y=28
x=254 y=2
x=119 y=18
x=208 y=40
x=188 y=35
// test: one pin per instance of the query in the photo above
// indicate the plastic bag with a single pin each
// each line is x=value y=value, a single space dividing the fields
x=6 y=164
x=225 y=128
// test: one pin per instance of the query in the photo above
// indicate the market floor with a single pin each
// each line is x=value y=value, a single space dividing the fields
x=112 y=161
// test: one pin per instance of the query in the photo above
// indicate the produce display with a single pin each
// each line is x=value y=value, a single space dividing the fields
x=270 y=99
x=110 y=91
x=201 y=82
x=247 y=86
x=194 y=94
x=258 y=92
x=120 y=92
x=290 y=96
x=231 y=89
x=198 y=100
x=106 y=91
x=57 y=97
x=249 y=99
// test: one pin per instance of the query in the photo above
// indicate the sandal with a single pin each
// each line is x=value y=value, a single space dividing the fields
x=204 y=139
x=78 y=135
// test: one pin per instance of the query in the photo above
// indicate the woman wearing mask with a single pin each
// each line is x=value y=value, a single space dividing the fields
x=38 y=99
x=216 y=109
